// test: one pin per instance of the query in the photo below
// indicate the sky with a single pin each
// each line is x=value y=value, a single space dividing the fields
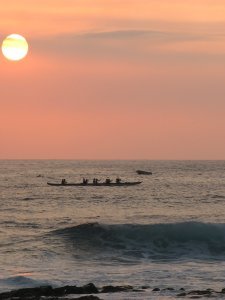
x=110 y=79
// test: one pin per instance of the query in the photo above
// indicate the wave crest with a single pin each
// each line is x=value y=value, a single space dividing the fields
x=152 y=241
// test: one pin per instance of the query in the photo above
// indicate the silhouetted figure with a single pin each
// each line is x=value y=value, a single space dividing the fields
x=63 y=182
x=108 y=181
x=85 y=181
x=95 y=181
x=118 y=180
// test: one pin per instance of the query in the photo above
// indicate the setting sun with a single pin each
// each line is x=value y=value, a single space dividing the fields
x=14 y=47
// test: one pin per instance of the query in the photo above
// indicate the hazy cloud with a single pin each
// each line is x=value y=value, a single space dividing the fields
x=150 y=34
x=134 y=45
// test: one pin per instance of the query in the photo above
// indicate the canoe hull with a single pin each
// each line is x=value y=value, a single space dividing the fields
x=96 y=185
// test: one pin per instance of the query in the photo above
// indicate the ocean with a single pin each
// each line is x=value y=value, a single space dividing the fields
x=167 y=232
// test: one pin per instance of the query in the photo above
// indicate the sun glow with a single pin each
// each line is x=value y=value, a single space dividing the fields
x=14 y=47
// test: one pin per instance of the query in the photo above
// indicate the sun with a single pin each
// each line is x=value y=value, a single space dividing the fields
x=14 y=47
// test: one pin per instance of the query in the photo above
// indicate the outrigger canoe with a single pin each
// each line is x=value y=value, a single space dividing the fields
x=98 y=184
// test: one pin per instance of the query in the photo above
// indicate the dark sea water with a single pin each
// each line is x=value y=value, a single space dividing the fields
x=168 y=231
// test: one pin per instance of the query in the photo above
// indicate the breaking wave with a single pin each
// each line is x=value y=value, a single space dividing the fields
x=152 y=241
x=19 y=282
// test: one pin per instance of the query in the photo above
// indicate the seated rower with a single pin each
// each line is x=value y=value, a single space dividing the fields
x=63 y=182
x=108 y=181
x=118 y=180
x=95 y=181
x=85 y=181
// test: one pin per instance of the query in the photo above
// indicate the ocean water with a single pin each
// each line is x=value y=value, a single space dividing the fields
x=169 y=231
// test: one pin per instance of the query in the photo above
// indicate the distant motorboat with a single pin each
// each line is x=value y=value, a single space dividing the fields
x=141 y=172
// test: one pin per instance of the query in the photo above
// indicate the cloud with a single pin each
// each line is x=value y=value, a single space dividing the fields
x=120 y=36
x=133 y=45
x=149 y=34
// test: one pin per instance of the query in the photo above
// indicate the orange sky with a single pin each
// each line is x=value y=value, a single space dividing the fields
x=114 y=80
